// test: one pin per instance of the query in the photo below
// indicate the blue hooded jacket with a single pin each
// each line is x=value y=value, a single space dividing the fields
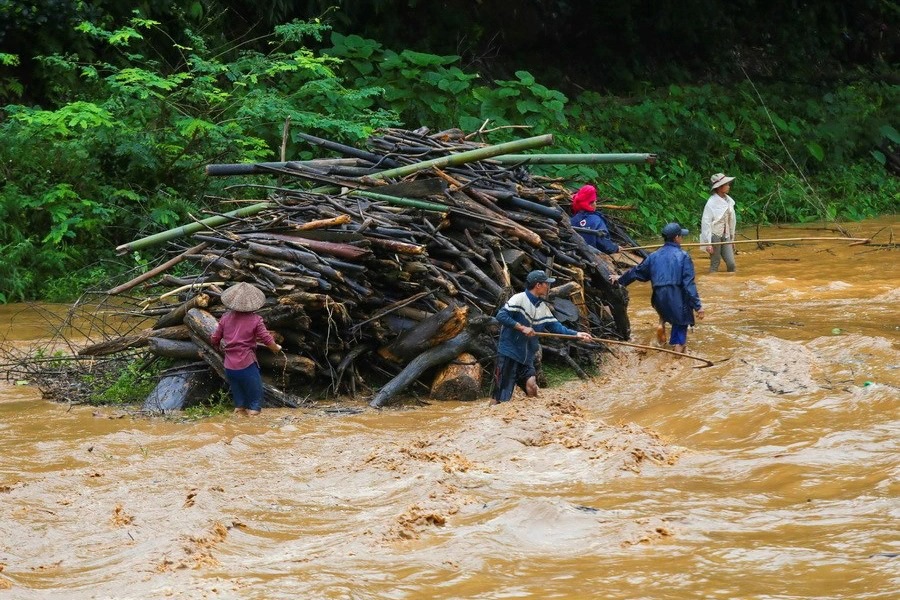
x=670 y=271
x=593 y=220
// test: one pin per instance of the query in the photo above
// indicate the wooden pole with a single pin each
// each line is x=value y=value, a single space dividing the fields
x=707 y=363
x=573 y=159
x=156 y=270
x=856 y=242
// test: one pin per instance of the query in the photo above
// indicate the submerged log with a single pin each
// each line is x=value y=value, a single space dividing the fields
x=458 y=380
x=176 y=390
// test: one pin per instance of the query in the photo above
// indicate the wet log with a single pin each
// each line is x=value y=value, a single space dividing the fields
x=182 y=349
x=176 y=315
x=345 y=251
x=434 y=330
x=293 y=363
x=435 y=356
x=458 y=380
x=176 y=390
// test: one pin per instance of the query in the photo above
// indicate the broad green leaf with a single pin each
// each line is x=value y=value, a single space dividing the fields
x=816 y=151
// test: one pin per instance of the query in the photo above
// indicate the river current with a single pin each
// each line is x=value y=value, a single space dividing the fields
x=774 y=474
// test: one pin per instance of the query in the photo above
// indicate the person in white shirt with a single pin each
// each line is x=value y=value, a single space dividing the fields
x=719 y=222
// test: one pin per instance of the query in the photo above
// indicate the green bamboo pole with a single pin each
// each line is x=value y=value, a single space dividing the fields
x=400 y=201
x=171 y=234
x=573 y=159
x=467 y=156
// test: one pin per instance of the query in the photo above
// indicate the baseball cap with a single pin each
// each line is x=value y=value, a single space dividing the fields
x=538 y=276
x=673 y=229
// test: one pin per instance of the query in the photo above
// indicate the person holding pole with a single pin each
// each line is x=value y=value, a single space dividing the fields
x=670 y=271
x=718 y=223
x=522 y=317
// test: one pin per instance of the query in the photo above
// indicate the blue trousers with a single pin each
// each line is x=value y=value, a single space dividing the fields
x=507 y=375
x=246 y=387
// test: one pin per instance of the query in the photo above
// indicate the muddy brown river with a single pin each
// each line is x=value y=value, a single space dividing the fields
x=774 y=474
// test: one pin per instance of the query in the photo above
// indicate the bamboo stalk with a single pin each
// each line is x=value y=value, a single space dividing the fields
x=573 y=159
x=410 y=202
x=171 y=234
x=857 y=242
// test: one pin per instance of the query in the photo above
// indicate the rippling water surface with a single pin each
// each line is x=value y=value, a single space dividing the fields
x=773 y=474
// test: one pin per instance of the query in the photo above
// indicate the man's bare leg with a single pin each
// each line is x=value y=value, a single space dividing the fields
x=531 y=387
x=661 y=333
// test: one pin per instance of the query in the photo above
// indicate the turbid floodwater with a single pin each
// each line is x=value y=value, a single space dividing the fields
x=774 y=474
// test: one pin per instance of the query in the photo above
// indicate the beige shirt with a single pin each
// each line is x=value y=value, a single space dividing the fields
x=719 y=219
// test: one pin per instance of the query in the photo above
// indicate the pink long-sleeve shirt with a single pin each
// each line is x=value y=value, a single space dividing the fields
x=240 y=332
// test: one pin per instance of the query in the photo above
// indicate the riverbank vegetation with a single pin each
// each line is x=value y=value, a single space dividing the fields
x=108 y=125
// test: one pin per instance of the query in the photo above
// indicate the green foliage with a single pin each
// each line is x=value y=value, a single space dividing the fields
x=129 y=385
x=123 y=151
x=218 y=404
x=134 y=109
x=432 y=90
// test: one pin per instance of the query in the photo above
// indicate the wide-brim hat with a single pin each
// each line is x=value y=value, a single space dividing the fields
x=718 y=180
x=243 y=297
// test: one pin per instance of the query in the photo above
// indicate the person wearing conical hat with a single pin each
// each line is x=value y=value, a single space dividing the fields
x=238 y=332
x=718 y=223
x=590 y=223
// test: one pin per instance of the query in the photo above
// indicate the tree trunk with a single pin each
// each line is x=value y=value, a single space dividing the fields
x=432 y=331
x=459 y=380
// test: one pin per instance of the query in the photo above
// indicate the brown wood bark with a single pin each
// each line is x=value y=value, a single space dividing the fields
x=138 y=340
x=434 y=330
x=458 y=380
x=176 y=315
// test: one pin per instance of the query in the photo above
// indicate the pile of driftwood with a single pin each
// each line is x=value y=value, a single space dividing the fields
x=383 y=265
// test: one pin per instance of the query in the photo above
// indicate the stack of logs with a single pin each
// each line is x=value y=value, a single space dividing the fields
x=390 y=270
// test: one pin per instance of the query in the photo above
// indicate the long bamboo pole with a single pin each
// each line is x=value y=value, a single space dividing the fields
x=401 y=201
x=171 y=234
x=574 y=159
x=156 y=271
x=856 y=242
x=467 y=156
x=707 y=363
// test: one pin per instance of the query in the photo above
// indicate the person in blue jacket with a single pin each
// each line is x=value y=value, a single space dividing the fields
x=670 y=271
x=521 y=318
x=586 y=217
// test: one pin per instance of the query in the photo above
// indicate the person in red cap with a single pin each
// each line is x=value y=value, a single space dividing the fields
x=589 y=223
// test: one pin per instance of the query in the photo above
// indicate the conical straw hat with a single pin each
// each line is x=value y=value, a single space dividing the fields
x=243 y=297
